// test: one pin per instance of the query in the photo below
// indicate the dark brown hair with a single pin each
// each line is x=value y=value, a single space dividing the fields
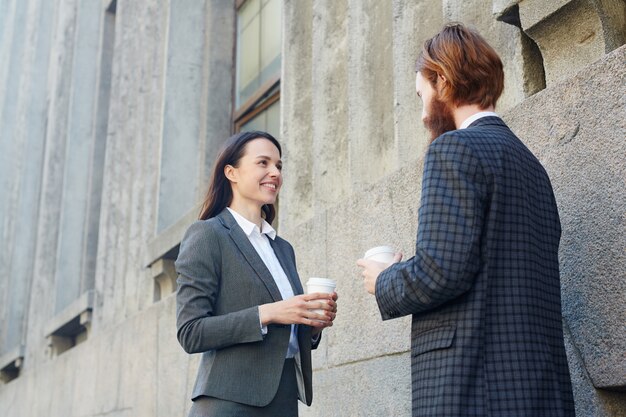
x=471 y=67
x=220 y=193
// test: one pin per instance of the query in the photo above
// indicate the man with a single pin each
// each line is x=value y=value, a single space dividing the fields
x=483 y=287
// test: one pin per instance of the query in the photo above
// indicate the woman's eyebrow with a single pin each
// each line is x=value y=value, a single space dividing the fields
x=266 y=158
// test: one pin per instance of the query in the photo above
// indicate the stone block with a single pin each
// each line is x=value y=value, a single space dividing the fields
x=500 y=7
x=589 y=401
x=172 y=363
x=61 y=402
x=164 y=275
x=11 y=364
x=613 y=17
x=139 y=363
x=571 y=34
x=380 y=387
x=108 y=345
x=167 y=243
x=193 y=362
x=85 y=389
x=70 y=326
x=11 y=397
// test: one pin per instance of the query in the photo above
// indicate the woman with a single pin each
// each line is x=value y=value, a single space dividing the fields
x=239 y=299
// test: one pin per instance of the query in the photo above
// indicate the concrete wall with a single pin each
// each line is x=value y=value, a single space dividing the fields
x=577 y=129
x=95 y=103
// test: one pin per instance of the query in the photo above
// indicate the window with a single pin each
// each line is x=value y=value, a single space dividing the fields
x=265 y=117
x=258 y=62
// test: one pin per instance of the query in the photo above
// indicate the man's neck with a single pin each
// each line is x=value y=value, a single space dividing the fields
x=464 y=111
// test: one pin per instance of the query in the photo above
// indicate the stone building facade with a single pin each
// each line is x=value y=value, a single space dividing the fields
x=111 y=112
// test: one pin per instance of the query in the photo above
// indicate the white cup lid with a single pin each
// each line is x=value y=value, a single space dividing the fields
x=321 y=281
x=377 y=250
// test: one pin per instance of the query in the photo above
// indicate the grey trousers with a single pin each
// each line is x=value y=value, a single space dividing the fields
x=284 y=404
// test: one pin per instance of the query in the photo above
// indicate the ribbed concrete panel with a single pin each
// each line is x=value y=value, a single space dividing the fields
x=12 y=56
x=331 y=179
x=98 y=152
x=180 y=146
x=30 y=135
x=58 y=90
x=133 y=153
x=11 y=12
x=217 y=85
x=370 y=93
x=127 y=219
x=296 y=198
x=13 y=41
x=70 y=277
x=413 y=22
x=6 y=13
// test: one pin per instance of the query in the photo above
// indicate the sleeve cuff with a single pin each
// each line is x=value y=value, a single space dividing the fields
x=383 y=298
x=263 y=328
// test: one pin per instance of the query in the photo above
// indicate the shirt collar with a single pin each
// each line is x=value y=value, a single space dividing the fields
x=475 y=117
x=248 y=227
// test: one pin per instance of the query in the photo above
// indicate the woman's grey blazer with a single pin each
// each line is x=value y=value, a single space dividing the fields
x=221 y=282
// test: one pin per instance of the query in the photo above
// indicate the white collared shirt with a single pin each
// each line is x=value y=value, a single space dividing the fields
x=475 y=117
x=260 y=242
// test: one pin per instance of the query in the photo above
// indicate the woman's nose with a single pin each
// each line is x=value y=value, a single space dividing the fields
x=274 y=171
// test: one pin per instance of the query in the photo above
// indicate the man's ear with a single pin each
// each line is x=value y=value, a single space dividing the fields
x=441 y=82
x=230 y=173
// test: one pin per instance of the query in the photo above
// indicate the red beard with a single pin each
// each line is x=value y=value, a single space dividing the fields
x=440 y=119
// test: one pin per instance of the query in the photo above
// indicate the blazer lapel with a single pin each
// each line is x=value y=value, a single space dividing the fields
x=288 y=266
x=250 y=254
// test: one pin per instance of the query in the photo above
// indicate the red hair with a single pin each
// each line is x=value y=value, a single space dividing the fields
x=471 y=69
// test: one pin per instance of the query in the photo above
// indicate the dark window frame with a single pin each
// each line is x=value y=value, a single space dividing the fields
x=266 y=95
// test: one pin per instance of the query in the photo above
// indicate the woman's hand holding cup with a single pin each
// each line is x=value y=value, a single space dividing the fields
x=316 y=310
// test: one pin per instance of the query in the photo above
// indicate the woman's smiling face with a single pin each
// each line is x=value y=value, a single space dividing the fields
x=257 y=178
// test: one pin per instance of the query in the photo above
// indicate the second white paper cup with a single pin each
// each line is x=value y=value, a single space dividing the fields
x=384 y=254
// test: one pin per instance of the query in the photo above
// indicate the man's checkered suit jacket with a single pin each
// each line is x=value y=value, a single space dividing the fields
x=483 y=286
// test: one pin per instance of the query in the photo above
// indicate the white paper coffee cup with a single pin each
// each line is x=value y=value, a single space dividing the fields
x=383 y=254
x=323 y=285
